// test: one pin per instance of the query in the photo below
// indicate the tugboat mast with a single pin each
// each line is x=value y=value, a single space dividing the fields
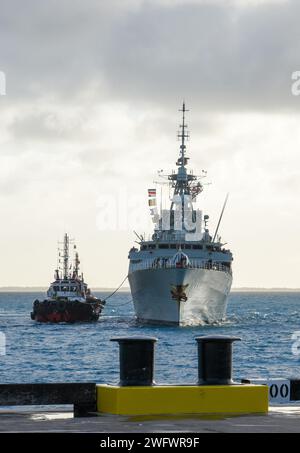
x=66 y=256
x=76 y=265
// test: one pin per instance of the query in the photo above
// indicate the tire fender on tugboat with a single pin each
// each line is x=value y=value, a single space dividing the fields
x=61 y=306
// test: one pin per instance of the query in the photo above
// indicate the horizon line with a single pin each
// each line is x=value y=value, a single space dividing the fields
x=127 y=288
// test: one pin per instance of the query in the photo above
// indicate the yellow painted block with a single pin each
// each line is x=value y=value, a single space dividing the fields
x=217 y=399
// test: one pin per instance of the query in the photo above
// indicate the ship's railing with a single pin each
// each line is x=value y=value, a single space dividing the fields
x=191 y=264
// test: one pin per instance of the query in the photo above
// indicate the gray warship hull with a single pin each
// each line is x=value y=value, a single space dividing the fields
x=180 y=296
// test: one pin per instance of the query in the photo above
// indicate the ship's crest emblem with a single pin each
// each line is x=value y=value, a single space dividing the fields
x=178 y=292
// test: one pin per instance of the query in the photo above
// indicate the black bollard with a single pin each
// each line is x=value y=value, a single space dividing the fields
x=136 y=360
x=215 y=359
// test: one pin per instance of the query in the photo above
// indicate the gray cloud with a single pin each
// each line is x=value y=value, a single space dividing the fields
x=219 y=55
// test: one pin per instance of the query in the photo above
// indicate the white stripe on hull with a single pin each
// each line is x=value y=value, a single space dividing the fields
x=206 y=293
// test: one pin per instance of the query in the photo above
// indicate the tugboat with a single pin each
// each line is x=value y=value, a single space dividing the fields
x=68 y=299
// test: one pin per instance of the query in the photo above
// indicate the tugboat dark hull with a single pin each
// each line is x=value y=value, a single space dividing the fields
x=56 y=311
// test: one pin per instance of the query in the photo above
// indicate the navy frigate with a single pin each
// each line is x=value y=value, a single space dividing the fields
x=182 y=274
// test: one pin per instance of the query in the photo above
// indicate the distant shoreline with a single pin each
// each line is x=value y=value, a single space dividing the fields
x=37 y=289
x=266 y=290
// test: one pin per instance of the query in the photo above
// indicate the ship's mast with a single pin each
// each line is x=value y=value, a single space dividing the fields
x=186 y=185
x=181 y=178
x=66 y=256
x=76 y=265
x=183 y=134
x=181 y=186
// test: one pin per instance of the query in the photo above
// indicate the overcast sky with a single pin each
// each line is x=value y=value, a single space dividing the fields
x=90 y=113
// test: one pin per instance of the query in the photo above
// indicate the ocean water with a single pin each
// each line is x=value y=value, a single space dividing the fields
x=82 y=352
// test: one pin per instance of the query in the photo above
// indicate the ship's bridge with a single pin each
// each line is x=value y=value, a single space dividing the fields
x=166 y=254
x=67 y=288
x=191 y=246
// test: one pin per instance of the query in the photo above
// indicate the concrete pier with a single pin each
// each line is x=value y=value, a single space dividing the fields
x=138 y=405
x=280 y=419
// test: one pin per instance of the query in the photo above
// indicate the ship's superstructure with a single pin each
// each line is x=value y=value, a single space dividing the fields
x=182 y=275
